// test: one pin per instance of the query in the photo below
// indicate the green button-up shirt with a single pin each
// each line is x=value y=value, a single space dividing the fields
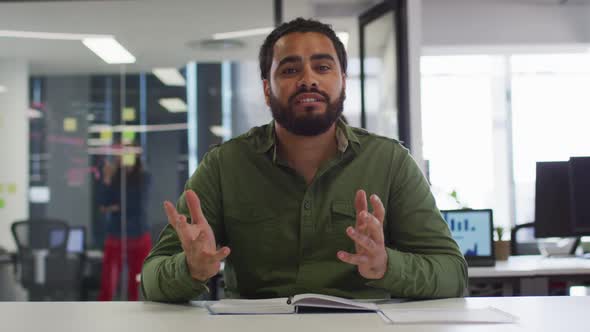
x=284 y=233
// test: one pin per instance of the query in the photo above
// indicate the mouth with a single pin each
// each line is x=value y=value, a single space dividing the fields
x=309 y=99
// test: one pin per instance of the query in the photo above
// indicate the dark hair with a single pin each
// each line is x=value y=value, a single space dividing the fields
x=298 y=25
x=135 y=176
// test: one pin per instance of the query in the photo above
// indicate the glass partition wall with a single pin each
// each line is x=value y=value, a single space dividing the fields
x=106 y=119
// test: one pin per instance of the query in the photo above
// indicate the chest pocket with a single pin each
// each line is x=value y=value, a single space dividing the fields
x=253 y=234
x=342 y=215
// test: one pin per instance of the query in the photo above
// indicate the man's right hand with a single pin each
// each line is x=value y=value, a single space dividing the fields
x=197 y=238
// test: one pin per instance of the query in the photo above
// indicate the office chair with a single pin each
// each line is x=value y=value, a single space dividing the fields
x=522 y=248
x=45 y=269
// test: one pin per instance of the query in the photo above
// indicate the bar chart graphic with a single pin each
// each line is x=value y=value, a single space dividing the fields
x=461 y=226
x=471 y=230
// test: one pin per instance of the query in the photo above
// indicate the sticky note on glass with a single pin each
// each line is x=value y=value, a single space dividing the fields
x=128 y=114
x=106 y=135
x=2 y=203
x=70 y=124
x=128 y=137
x=11 y=188
x=129 y=159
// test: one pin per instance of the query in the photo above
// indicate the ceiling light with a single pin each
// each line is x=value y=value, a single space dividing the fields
x=242 y=33
x=109 y=50
x=220 y=131
x=173 y=105
x=48 y=35
x=169 y=76
x=344 y=37
x=34 y=114
x=2 y=88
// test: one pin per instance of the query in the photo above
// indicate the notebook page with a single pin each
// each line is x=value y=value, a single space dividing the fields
x=250 y=307
x=464 y=315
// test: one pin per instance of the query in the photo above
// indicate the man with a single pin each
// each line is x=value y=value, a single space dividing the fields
x=286 y=205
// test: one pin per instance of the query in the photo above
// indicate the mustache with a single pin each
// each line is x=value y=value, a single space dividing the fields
x=303 y=89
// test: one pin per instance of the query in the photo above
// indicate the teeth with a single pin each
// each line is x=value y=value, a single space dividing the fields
x=308 y=100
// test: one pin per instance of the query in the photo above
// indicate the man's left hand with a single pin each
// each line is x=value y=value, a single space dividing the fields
x=371 y=256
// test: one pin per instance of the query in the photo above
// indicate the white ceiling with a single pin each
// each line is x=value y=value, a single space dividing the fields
x=156 y=32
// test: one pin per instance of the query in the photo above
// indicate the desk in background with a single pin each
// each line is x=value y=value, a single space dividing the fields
x=536 y=314
x=532 y=275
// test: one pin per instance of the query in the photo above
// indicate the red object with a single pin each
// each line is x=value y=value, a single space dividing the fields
x=137 y=250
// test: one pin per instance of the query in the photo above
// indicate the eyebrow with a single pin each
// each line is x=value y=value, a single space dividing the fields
x=296 y=58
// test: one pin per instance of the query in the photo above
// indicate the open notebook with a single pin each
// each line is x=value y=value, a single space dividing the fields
x=298 y=303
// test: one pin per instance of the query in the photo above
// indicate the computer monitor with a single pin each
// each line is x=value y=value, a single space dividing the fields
x=76 y=240
x=579 y=176
x=473 y=232
x=552 y=200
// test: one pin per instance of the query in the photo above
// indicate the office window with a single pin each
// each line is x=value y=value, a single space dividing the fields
x=487 y=120
x=459 y=106
x=550 y=115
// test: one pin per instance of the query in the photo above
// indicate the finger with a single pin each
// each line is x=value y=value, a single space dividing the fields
x=374 y=228
x=360 y=204
x=378 y=208
x=360 y=201
x=194 y=206
x=222 y=253
x=214 y=256
x=184 y=232
x=362 y=240
x=171 y=213
x=351 y=258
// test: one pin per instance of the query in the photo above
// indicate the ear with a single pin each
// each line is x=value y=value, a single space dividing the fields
x=266 y=87
x=343 y=81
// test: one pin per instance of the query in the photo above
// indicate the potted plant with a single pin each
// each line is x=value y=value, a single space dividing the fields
x=501 y=246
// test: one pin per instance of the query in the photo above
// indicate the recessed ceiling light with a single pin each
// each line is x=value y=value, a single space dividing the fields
x=109 y=50
x=217 y=45
x=220 y=131
x=48 y=35
x=169 y=76
x=173 y=105
x=242 y=33
x=344 y=37
x=34 y=114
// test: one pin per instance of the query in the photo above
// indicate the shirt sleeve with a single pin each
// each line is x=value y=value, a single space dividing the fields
x=165 y=275
x=423 y=259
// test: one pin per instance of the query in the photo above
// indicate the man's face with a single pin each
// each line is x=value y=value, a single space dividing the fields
x=305 y=88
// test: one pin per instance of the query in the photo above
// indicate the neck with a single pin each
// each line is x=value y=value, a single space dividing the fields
x=307 y=152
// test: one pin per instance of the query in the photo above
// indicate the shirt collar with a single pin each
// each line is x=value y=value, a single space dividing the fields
x=344 y=136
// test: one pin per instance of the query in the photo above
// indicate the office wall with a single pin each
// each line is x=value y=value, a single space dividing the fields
x=504 y=22
x=14 y=147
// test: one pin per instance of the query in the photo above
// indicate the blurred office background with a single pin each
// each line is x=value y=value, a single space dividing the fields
x=491 y=88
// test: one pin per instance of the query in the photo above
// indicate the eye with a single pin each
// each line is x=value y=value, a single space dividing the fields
x=323 y=68
x=289 y=70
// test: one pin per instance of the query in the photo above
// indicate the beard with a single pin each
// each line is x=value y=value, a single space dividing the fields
x=307 y=123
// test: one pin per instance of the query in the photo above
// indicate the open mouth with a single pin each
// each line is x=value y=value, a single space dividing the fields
x=309 y=98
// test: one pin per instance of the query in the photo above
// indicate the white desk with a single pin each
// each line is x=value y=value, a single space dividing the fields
x=534 y=272
x=537 y=314
x=533 y=266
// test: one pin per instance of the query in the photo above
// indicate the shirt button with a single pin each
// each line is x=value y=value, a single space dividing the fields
x=307 y=205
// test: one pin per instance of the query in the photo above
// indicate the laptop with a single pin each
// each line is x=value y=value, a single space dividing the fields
x=473 y=232
x=76 y=240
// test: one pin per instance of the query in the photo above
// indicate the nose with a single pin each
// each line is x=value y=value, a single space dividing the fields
x=307 y=80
